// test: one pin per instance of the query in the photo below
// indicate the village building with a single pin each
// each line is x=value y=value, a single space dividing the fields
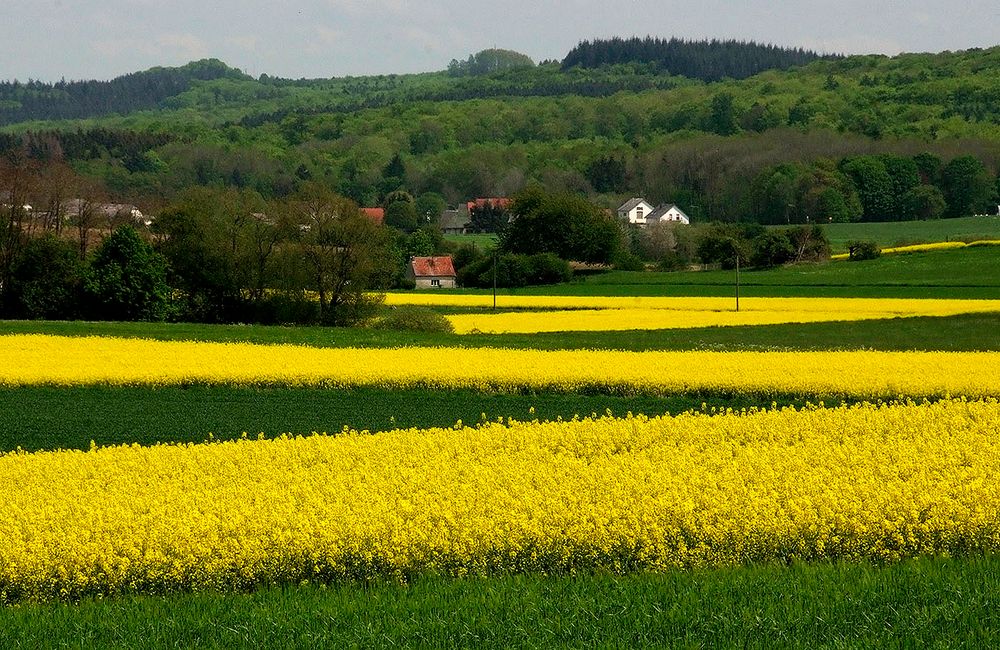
x=437 y=272
x=454 y=222
x=638 y=212
x=376 y=215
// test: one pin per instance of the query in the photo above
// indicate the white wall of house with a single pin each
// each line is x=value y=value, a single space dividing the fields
x=637 y=214
x=439 y=282
x=675 y=214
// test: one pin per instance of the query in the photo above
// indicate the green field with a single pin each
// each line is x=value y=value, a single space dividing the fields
x=964 y=273
x=922 y=603
x=71 y=418
x=964 y=332
x=901 y=233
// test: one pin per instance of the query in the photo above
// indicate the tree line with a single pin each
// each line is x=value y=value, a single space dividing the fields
x=708 y=60
x=36 y=100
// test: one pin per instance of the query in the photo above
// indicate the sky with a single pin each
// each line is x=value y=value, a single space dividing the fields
x=99 y=39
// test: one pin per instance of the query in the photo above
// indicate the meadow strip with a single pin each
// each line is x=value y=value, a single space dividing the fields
x=864 y=482
x=39 y=360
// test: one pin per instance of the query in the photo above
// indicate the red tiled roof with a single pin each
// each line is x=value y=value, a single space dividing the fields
x=432 y=266
x=496 y=202
x=375 y=214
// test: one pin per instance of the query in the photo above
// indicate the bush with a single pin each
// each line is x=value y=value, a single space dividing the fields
x=626 y=261
x=771 y=248
x=409 y=318
x=546 y=268
x=863 y=250
x=516 y=271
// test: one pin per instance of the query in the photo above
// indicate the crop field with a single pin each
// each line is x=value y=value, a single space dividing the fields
x=903 y=233
x=614 y=462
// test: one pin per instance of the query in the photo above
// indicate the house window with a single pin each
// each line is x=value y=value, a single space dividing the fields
x=435 y=282
x=638 y=213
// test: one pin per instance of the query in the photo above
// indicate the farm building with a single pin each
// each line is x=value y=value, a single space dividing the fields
x=436 y=272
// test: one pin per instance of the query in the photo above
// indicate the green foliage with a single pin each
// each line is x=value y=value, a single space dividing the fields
x=771 y=248
x=127 y=280
x=488 y=62
x=924 y=202
x=565 y=225
x=490 y=217
x=966 y=186
x=707 y=60
x=47 y=280
x=514 y=270
x=411 y=318
x=401 y=215
x=336 y=253
x=875 y=186
x=429 y=207
x=863 y=250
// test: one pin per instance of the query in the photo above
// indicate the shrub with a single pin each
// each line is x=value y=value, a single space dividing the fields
x=409 y=318
x=863 y=250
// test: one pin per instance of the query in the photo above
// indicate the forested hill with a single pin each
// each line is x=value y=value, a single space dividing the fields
x=708 y=60
x=35 y=100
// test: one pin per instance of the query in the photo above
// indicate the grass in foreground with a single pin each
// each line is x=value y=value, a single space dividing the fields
x=939 y=602
x=967 y=332
x=69 y=418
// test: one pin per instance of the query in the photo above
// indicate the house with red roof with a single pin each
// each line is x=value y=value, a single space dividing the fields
x=377 y=215
x=501 y=203
x=436 y=272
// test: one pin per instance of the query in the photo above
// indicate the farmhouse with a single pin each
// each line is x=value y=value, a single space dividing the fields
x=436 y=272
x=497 y=203
x=637 y=211
x=668 y=213
x=454 y=222
x=376 y=215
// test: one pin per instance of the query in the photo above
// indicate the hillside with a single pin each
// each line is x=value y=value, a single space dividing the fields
x=609 y=132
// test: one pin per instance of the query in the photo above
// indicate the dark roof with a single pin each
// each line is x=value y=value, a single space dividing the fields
x=631 y=203
x=432 y=266
x=453 y=219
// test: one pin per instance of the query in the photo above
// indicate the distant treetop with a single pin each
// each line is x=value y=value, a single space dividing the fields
x=708 y=60
x=487 y=61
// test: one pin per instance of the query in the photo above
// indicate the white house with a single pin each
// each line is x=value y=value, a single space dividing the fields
x=638 y=212
x=668 y=213
x=635 y=211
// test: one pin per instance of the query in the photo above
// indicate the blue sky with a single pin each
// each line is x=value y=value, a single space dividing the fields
x=100 y=39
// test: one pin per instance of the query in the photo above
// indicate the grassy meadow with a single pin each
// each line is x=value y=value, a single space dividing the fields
x=926 y=601
x=902 y=233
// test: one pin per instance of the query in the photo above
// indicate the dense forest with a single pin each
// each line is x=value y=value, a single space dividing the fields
x=709 y=60
x=138 y=91
x=860 y=137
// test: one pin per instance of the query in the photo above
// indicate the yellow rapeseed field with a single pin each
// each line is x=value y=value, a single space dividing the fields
x=874 y=307
x=606 y=313
x=68 y=361
x=578 y=320
x=861 y=482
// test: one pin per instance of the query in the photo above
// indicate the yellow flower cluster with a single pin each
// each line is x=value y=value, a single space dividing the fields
x=851 y=308
x=565 y=320
x=67 y=361
x=874 y=482
x=922 y=248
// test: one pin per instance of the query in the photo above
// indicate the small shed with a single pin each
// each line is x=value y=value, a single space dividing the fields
x=436 y=272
